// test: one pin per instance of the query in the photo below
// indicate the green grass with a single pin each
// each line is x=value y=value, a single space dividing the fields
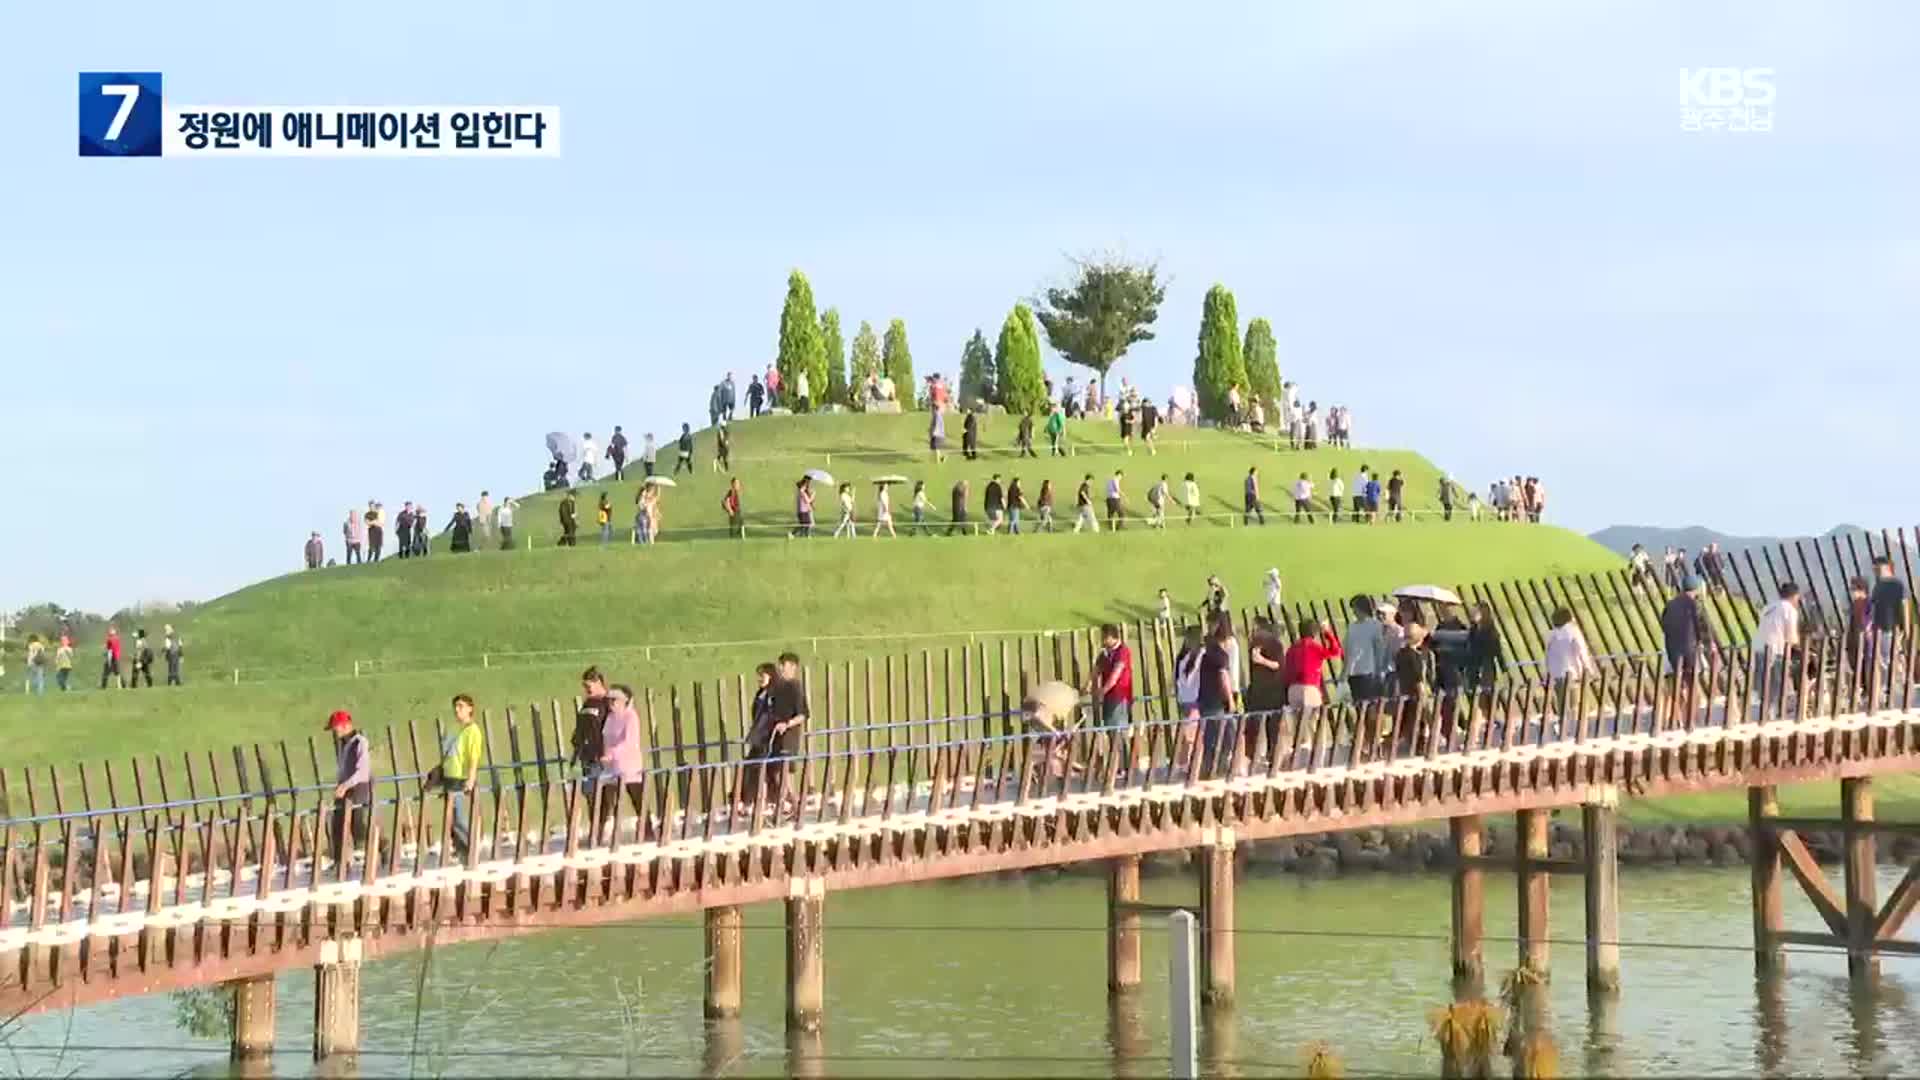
x=421 y=630
x=1896 y=798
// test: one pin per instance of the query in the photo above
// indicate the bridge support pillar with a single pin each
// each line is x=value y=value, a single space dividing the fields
x=1856 y=809
x=806 y=954
x=722 y=1000
x=1768 y=916
x=1598 y=820
x=1123 y=924
x=1469 y=899
x=252 y=1018
x=1216 y=921
x=1532 y=826
x=336 y=999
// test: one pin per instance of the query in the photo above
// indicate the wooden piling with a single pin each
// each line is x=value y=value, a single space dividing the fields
x=1469 y=898
x=1599 y=820
x=252 y=1018
x=1216 y=921
x=1768 y=915
x=336 y=999
x=1856 y=814
x=724 y=967
x=806 y=954
x=1123 y=924
x=1532 y=826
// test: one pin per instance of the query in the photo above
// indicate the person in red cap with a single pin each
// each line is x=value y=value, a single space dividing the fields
x=353 y=782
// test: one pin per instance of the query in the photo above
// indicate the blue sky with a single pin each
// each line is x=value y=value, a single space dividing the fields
x=1479 y=224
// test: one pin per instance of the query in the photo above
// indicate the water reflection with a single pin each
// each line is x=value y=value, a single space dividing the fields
x=725 y=1047
x=1219 y=1041
x=806 y=1053
x=1770 y=1023
x=1603 y=1031
x=1127 y=1034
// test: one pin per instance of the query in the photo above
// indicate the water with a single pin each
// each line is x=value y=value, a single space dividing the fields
x=1006 y=977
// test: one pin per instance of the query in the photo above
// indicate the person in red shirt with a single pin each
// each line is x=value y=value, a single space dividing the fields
x=1305 y=665
x=110 y=660
x=1113 y=677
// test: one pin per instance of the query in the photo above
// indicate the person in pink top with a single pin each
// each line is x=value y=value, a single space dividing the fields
x=622 y=759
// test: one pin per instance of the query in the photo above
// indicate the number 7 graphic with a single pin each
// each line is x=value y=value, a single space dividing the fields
x=128 y=94
x=120 y=114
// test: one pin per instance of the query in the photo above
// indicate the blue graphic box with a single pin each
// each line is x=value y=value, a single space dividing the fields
x=120 y=114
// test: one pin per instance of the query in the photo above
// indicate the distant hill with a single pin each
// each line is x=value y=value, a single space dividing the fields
x=1621 y=538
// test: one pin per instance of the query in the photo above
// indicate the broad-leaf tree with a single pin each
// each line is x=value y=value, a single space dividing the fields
x=1023 y=387
x=800 y=345
x=897 y=361
x=1218 y=366
x=1108 y=307
x=834 y=348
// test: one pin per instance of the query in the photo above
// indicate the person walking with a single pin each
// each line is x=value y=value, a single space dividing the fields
x=803 y=507
x=403 y=532
x=376 y=519
x=1274 y=588
x=1336 y=494
x=1485 y=655
x=352 y=800
x=1056 y=427
x=1892 y=615
x=685 y=458
x=1116 y=502
x=920 y=507
x=172 y=649
x=1569 y=660
x=1112 y=684
x=1190 y=497
x=1023 y=439
x=937 y=435
x=1157 y=497
x=460 y=530
x=1367 y=658
x=789 y=711
x=622 y=762
x=756 y=396
x=1396 y=495
x=1016 y=505
x=1251 y=506
x=1446 y=499
x=727 y=398
x=995 y=505
x=483 y=518
x=645 y=504
x=110 y=659
x=759 y=743
x=589 y=453
x=847 y=527
x=420 y=537
x=1214 y=697
x=569 y=519
x=1373 y=500
x=603 y=516
x=1045 y=505
x=1306 y=663
x=353 y=532
x=504 y=518
x=1302 y=499
x=461 y=753
x=802 y=391
x=1776 y=641
x=957 y=521
x=730 y=505
x=883 y=510
x=1687 y=634
x=650 y=454
x=315 y=551
x=1149 y=423
x=970 y=436
x=723 y=446
x=36 y=665
x=617 y=453
x=142 y=659
x=63 y=664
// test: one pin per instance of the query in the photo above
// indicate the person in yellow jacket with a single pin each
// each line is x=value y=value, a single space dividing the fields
x=462 y=752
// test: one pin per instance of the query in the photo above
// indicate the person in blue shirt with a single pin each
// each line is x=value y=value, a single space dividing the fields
x=1373 y=500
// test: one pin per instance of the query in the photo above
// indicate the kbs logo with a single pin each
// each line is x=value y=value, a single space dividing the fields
x=1726 y=99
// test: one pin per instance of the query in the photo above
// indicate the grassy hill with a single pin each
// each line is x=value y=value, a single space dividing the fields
x=516 y=626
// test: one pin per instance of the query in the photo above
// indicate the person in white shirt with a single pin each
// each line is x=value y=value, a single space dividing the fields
x=1568 y=658
x=882 y=510
x=801 y=391
x=1360 y=493
x=504 y=518
x=588 y=455
x=1273 y=588
x=1302 y=499
x=847 y=527
x=1336 y=493
x=1777 y=636
x=1166 y=607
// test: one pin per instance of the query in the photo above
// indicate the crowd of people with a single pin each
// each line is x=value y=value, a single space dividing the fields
x=123 y=665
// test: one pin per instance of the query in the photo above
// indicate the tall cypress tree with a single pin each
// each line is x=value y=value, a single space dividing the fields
x=866 y=357
x=800 y=345
x=1262 y=358
x=976 y=364
x=834 y=349
x=1023 y=386
x=897 y=361
x=1218 y=364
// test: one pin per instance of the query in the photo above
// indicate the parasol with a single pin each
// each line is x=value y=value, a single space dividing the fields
x=891 y=478
x=820 y=476
x=1427 y=592
x=1052 y=705
x=658 y=481
x=561 y=445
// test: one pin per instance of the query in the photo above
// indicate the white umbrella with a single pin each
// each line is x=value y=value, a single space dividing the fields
x=658 y=481
x=1428 y=592
x=891 y=478
x=820 y=476
x=1052 y=705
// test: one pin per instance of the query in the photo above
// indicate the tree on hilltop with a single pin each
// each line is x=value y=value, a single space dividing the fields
x=1023 y=385
x=1109 y=306
x=897 y=361
x=976 y=371
x=866 y=357
x=1262 y=358
x=1218 y=366
x=800 y=346
x=834 y=348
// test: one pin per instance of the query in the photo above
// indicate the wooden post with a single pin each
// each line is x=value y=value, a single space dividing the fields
x=1123 y=926
x=1856 y=809
x=1768 y=917
x=1469 y=898
x=1603 y=896
x=336 y=999
x=724 y=966
x=1216 y=921
x=252 y=1018
x=806 y=954
x=1532 y=826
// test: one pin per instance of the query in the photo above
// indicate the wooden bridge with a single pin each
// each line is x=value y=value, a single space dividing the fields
x=235 y=886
